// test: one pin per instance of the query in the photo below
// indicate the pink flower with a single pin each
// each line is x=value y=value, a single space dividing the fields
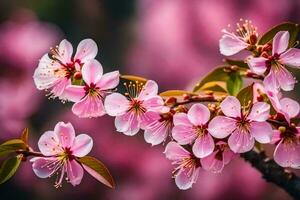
x=188 y=166
x=192 y=127
x=89 y=98
x=157 y=126
x=279 y=76
x=243 y=127
x=60 y=148
x=232 y=43
x=216 y=161
x=56 y=69
x=130 y=112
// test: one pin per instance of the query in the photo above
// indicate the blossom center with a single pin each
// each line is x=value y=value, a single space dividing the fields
x=200 y=130
x=243 y=125
x=137 y=106
x=92 y=90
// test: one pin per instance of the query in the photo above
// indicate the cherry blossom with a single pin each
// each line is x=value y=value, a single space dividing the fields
x=131 y=111
x=187 y=165
x=278 y=76
x=234 y=42
x=243 y=127
x=89 y=98
x=59 y=67
x=61 y=148
x=192 y=127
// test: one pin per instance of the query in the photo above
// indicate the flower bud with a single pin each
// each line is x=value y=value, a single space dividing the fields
x=77 y=75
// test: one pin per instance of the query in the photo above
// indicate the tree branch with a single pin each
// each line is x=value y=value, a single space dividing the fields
x=273 y=173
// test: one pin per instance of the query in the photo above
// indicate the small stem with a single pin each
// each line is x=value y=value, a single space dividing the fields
x=30 y=153
x=249 y=74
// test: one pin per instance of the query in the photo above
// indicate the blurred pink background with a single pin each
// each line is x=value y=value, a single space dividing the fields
x=174 y=42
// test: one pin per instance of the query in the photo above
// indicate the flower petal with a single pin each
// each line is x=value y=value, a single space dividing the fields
x=92 y=72
x=181 y=119
x=184 y=134
x=260 y=111
x=49 y=144
x=127 y=124
x=212 y=163
x=58 y=90
x=227 y=155
x=198 y=114
x=40 y=166
x=230 y=45
x=241 y=142
x=291 y=57
x=87 y=50
x=261 y=131
x=65 y=50
x=150 y=89
x=116 y=104
x=74 y=172
x=231 y=107
x=89 y=106
x=290 y=106
x=276 y=137
x=175 y=152
x=280 y=42
x=82 y=145
x=74 y=93
x=221 y=127
x=270 y=82
x=186 y=177
x=287 y=154
x=65 y=133
x=257 y=65
x=203 y=146
x=109 y=80
x=155 y=103
x=285 y=79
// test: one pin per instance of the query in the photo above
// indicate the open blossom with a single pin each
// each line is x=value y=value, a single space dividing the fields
x=243 y=127
x=60 y=148
x=278 y=76
x=216 y=161
x=192 y=127
x=89 y=98
x=187 y=165
x=58 y=67
x=131 y=112
x=234 y=42
x=157 y=126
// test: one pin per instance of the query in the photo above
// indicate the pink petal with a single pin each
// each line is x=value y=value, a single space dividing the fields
x=150 y=89
x=176 y=152
x=230 y=45
x=221 y=127
x=203 y=146
x=260 y=111
x=89 y=106
x=261 y=131
x=231 y=107
x=228 y=155
x=287 y=154
x=82 y=145
x=92 y=72
x=128 y=124
x=211 y=163
x=270 y=82
x=198 y=114
x=258 y=89
x=74 y=93
x=290 y=106
x=116 y=104
x=157 y=133
x=87 y=50
x=184 y=134
x=276 y=137
x=257 y=65
x=291 y=57
x=155 y=103
x=184 y=180
x=40 y=167
x=65 y=133
x=96 y=175
x=65 y=50
x=280 y=42
x=181 y=119
x=285 y=79
x=74 y=172
x=150 y=119
x=240 y=142
x=59 y=88
x=49 y=144
x=109 y=80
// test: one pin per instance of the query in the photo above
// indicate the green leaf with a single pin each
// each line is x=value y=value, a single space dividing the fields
x=217 y=74
x=98 y=170
x=9 y=168
x=246 y=95
x=134 y=78
x=239 y=63
x=24 y=136
x=291 y=27
x=234 y=83
x=175 y=93
x=11 y=146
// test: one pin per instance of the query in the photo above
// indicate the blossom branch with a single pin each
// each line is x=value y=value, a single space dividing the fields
x=197 y=99
x=273 y=173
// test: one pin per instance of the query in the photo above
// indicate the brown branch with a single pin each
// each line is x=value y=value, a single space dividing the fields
x=30 y=153
x=273 y=173
x=197 y=99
